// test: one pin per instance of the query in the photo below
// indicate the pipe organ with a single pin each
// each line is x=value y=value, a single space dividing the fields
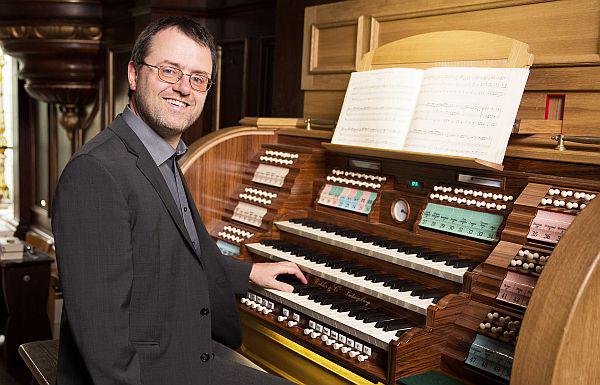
x=418 y=268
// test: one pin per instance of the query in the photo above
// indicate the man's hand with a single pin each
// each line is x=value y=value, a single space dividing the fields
x=265 y=274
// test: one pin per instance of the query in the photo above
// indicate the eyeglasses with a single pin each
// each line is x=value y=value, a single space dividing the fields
x=198 y=82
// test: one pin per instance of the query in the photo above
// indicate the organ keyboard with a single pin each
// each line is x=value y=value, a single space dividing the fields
x=414 y=264
x=398 y=282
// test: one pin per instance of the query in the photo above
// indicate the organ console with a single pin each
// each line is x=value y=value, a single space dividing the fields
x=415 y=266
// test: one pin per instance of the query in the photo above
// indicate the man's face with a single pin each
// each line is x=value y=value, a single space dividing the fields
x=169 y=108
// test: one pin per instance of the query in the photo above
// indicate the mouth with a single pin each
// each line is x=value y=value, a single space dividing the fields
x=176 y=103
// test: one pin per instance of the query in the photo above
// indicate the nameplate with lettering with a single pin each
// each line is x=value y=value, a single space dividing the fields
x=491 y=356
x=454 y=220
x=270 y=175
x=249 y=214
x=548 y=226
x=517 y=289
x=346 y=198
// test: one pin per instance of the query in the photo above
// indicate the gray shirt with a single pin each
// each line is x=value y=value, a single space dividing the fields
x=165 y=158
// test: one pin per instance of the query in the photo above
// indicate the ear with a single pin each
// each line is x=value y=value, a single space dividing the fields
x=132 y=76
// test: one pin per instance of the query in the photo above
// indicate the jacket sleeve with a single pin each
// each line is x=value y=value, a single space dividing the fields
x=91 y=225
x=238 y=272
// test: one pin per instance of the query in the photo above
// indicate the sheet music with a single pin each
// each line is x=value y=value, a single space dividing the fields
x=466 y=111
x=378 y=107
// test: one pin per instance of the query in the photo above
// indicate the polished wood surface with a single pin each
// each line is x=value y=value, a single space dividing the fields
x=449 y=49
x=559 y=338
x=563 y=35
x=41 y=358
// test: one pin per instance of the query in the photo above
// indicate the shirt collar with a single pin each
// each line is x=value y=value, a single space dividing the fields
x=159 y=149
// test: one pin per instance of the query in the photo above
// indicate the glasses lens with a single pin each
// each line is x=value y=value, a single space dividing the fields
x=169 y=74
x=200 y=82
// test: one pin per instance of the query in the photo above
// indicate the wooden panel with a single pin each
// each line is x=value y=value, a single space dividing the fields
x=323 y=104
x=450 y=48
x=224 y=154
x=539 y=24
x=565 y=307
x=334 y=47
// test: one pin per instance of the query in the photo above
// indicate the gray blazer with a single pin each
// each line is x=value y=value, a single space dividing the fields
x=140 y=305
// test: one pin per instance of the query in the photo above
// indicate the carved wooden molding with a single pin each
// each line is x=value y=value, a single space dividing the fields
x=91 y=33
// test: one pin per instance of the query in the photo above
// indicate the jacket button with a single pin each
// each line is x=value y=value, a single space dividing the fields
x=205 y=357
x=204 y=311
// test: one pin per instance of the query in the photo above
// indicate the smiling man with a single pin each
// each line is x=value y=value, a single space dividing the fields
x=146 y=290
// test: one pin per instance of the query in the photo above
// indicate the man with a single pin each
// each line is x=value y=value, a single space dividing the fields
x=145 y=288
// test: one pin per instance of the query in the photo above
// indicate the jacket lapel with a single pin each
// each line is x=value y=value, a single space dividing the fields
x=146 y=165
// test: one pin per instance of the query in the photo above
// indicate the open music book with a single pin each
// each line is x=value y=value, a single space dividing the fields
x=459 y=111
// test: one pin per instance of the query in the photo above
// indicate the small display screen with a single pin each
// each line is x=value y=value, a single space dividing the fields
x=414 y=184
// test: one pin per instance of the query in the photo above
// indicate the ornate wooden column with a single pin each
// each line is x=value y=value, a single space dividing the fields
x=58 y=44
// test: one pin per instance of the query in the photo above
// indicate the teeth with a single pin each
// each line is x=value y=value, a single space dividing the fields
x=176 y=102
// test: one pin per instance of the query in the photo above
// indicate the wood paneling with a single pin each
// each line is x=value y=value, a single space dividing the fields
x=564 y=36
x=334 y=47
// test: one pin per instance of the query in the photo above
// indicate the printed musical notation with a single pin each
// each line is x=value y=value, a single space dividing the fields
x=466 y=112
x=454 y=220
x=444 y=110
x=378 y=107
x=347 y=198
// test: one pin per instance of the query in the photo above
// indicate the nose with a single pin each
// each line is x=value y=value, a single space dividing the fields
x=183 y=85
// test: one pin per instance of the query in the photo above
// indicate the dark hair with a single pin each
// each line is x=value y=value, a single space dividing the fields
x=187 y=26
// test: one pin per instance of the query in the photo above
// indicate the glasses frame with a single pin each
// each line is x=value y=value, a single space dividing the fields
x=181 y=74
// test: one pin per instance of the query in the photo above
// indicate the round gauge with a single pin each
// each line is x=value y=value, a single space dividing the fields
x=400 y=210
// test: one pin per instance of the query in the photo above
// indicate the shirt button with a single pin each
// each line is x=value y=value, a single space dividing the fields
x=205 y=357
x=185 y=209
x=204 y=311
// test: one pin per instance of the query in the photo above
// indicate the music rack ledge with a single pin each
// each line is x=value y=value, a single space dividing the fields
x=537 y=126
x=448 y=160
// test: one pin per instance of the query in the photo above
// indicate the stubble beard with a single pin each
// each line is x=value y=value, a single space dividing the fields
x=156 y=119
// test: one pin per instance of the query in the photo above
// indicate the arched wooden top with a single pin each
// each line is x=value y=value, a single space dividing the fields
x=450 y=49
x=207 y=142
x=559 y=342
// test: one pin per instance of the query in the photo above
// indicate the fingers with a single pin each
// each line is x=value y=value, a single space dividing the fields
x=292 y=268
x=282 y=286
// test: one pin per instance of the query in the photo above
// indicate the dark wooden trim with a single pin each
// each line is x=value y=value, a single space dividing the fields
x=52 y=152
x=25 y=161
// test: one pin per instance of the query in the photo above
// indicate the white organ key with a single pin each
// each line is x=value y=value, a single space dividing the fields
x=403 y=299
x=438 y=269
x=341 y=321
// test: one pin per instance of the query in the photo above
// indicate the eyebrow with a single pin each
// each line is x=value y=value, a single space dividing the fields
x=175 y=64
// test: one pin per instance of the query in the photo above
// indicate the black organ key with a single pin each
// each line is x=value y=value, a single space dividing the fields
x=361 y=314
x=309 y=290
x=417 y=292
x=334 y=300
x=377 y=317
x=362 y=272
x=380 y=277
x=338 y=264
x=352 y=267
x=440 y=257
x=393 y=324
x=466 y=263
x=412 y=286
x=348 y=306
x=403 y=330
x=318 y=296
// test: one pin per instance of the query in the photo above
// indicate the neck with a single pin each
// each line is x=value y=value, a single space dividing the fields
x=172 y=140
